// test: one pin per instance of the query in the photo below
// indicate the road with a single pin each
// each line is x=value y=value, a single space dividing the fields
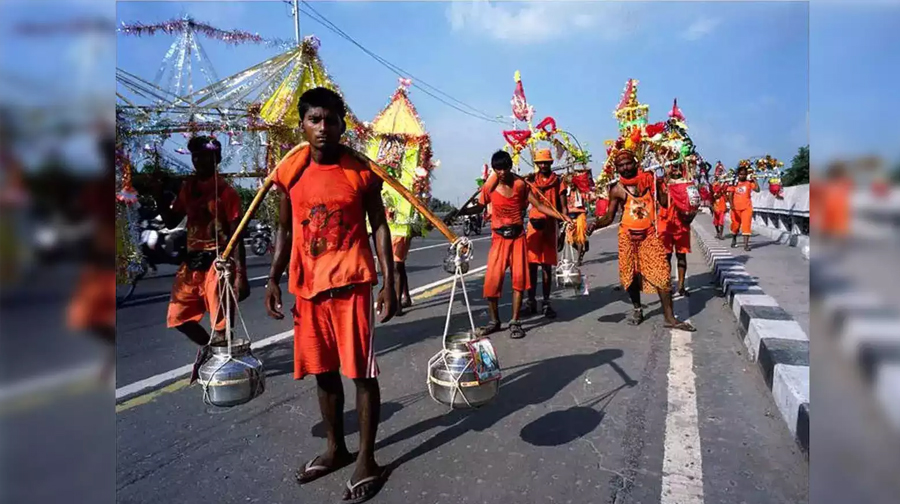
x=590 y=410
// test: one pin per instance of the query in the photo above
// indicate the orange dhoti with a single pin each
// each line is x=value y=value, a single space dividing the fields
x=506 y=253
x=94 y=304
x=677 y=237
x=741 y=221
x=646 y=257
x=194 y=294
x=541 y=244
x=400 y=244
x=718 y=217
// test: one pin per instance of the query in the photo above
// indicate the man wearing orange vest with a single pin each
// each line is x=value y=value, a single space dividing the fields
x=542 y=235
x=642 y=256
x=739 y=197
x=327 y=194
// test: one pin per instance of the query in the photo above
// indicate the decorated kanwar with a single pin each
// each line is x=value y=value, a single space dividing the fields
x=642 y=255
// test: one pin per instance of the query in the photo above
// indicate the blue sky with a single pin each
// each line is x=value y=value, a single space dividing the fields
x=741 y=71
x=718 y=59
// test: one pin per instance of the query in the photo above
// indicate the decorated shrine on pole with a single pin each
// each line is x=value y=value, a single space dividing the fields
x=398 y=141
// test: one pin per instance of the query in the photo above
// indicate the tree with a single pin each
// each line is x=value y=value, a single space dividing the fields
x=439 y=206
x=798 y=173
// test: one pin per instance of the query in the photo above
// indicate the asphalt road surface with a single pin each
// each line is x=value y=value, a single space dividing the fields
x=591 y=410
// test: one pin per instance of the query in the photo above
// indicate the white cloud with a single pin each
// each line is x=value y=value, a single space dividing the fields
x=700 y=28
x=538 y=22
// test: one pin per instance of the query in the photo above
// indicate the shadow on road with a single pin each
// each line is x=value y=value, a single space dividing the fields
x=530 y=385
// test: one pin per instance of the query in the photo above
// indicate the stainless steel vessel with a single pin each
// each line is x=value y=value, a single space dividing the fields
x=451 y=376
x=229 y=380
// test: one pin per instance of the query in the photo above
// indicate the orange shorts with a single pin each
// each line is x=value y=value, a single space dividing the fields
x=718 y=218
x=677 y=239
x=336 y=333
x=741 y=220
x=541 y=245
x=506 y=253
x=94 y=303
x=400 y=244
x=194 y=294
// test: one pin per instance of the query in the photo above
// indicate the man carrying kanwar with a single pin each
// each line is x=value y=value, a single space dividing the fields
x=739 y=198
x=327 y=194
x=508 y=197
x=642 y=256
x=674 y=226
x=719 y=200
x=212 y=207
x=542 y=235
x=576 y=187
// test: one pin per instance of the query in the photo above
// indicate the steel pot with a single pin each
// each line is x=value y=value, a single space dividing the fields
x=229 y=380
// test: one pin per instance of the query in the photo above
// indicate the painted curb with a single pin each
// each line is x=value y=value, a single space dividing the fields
x=774 y=340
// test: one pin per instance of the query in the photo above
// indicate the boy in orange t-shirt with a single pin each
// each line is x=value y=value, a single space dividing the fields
x=327 y=194
x=742 y=207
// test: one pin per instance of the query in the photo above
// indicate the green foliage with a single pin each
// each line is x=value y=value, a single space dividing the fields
x=798 y=173
x=438 y=206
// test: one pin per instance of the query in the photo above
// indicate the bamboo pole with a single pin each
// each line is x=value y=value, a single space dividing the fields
x=380 y=171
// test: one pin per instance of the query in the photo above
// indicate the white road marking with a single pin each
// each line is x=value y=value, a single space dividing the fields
x=682 y=474
x=154 y=381
x=49 y=381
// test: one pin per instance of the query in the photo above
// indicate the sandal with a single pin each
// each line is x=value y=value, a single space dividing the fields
x=378 y=482
x=312 y=471
x=681 y=326
x=491 y=328
x=684 y=292
x=515 y=330
x=637 y=316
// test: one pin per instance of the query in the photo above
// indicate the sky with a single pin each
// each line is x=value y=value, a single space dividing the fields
x=745 y=74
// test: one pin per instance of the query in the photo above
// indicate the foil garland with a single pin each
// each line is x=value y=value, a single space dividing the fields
x=174 y=26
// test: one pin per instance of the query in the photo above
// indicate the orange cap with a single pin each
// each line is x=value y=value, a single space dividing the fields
x=543 y=155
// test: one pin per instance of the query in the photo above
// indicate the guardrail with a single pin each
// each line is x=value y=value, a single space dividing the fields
x=785 y=219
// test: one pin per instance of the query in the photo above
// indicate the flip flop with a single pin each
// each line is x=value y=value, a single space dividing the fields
x=684 y=292
x=312 y=471
x=681 y=326
x=378 y=479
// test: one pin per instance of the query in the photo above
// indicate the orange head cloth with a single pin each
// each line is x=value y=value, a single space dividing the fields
x=543 y=155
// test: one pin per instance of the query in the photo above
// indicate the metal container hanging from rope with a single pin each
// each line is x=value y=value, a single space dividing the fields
x=452 y=379
x=229 y=379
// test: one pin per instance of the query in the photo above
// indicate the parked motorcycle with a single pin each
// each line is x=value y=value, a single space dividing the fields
x=261 y=239
x=159 y=245
x=471 y=224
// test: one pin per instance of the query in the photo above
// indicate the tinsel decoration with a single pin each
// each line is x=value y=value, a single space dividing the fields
x=128 y=236
x=187 y=23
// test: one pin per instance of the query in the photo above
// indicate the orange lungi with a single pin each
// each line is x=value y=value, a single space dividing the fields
x=94 y=303
x=647 y=258
x=541 y=245
x=400 y=244
x=506 y=253
x=193 y=294
x=676 y=236
x=335 y=331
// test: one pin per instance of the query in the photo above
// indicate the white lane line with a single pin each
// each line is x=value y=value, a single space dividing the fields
x=682 y=474
x=446 y=245
x=156 y=380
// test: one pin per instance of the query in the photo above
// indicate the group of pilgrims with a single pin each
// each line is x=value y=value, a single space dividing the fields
x=324 y=245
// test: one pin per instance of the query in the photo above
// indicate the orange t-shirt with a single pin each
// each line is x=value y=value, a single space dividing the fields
x=741 y=200
x=330 y=246
x=505 y=211
x=550 y=187
x=206 y=211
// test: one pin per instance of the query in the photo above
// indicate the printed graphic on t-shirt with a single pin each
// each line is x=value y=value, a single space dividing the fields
x=324 y=231
x=638 y=209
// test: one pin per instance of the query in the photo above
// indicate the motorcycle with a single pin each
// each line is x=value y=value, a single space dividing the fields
x=471 y=224
x=159 y=245
x=261 y=240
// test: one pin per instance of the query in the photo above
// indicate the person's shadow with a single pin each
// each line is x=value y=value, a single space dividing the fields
x=533 y=384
